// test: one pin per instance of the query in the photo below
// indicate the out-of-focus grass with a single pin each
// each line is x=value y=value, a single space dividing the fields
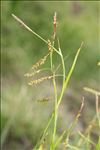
x=22 y=114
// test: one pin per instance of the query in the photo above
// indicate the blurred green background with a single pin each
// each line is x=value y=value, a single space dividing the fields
x=23 y=119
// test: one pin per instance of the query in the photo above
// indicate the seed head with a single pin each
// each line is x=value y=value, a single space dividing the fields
x=40 y=62
x=33 y=82
x=55 y=23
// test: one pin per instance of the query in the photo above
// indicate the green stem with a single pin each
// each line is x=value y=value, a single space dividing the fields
x=62 y=59
x=69 y=75
x=55 y=108
x=45 y=131
x=30 y=30
x=55 y=116
x=65 y=84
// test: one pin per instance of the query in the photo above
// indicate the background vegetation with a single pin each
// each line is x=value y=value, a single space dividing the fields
x=23 y=118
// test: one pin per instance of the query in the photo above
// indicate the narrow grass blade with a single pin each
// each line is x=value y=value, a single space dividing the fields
x=69 y=74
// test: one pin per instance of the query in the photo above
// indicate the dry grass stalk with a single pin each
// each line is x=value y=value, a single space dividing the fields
x=66 y=142
x=97 y=104
x=92 y=91
x=80 y=110
x=97 y=94
x=86 y=138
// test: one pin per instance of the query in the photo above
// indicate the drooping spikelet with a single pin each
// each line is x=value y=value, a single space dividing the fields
x=39 y=80
x=32 y=74
x=40 y=62
x=49 y=45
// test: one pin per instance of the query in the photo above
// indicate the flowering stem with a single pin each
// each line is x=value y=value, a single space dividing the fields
x=30 y=30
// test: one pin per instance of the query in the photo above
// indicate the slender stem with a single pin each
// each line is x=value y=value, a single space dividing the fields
x=69 y=75
x=86 y=138
x=55 y=108
x=30 y=30
x=97 y=109
x=55 y=115
x=51 y=61
x=62 y=59
x=63 y=65
x=72 y=147
x=95 y=92
x=45 y=131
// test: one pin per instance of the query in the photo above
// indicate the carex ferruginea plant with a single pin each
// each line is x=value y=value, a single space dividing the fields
x=54 y=143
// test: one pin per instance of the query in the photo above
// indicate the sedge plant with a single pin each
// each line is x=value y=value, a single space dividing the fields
x=54 y=143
